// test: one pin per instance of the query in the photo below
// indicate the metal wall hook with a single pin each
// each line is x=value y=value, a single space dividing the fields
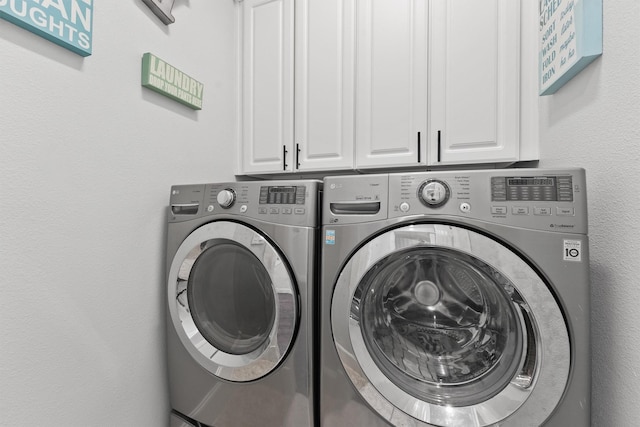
x=162 y=9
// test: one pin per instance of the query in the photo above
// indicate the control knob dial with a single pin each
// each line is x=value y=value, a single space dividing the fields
x=226 y=198
x=434 y=193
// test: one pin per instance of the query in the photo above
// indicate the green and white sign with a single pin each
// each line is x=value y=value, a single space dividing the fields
x=166 y=79
x=67 y=23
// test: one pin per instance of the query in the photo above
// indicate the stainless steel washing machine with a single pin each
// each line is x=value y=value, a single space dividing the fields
x=240 y=277
x=455 y=298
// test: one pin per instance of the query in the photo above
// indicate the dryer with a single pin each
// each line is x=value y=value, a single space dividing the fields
x=455 y=298
x=240 y=276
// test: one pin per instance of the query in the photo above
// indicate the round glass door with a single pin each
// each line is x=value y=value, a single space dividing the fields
x=232 y=301
x=231 y=297
x=450 y=327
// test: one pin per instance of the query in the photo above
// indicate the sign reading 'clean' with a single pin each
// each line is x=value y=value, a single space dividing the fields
x=163 y=78
x=67 y=23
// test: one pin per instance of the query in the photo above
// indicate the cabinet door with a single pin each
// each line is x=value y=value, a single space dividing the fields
x=474 y=110
x=391 y=82
x=267 y=127
x=324 y=99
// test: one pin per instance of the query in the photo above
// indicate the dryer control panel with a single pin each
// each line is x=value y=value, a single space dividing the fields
x=281 y=202
x=543 y=199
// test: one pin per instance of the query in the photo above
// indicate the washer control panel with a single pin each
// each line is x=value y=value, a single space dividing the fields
x=532 y=188
x=543 y=199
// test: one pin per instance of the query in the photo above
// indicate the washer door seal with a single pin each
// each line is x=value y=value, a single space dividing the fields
x=446 y=326
x=232 y=301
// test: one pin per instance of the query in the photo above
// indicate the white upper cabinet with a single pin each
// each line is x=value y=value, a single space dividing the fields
x=475 y=84
x=362 y=84
x=267 y=97
x=391 y=88
x=315 y=132
x=324 y=100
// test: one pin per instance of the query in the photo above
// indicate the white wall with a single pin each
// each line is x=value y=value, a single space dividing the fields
x=594 y=122
x=87 y=157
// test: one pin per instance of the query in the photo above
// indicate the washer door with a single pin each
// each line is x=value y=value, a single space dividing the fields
x=232 y=301
x=440 y=325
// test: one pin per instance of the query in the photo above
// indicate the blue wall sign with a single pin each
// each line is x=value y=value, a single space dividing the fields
x=570 y=38
x=68 y=23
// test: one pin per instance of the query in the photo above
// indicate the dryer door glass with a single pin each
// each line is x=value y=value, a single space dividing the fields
x=232 y=301
x=231 y=297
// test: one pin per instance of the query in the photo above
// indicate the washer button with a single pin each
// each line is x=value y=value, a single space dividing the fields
x=404 y=207
x=520 y=210
x=542 y=211
x=499 y=210
x=465 y=207
x=299 y=211
x=243 y=208
x=565 y=211
x=210 y=208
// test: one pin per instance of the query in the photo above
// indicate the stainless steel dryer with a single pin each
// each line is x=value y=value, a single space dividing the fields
x=455 y=299
x=240 y=276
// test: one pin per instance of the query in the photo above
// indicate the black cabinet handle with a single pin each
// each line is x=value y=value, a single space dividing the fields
x=439 y=145
x=284 y=157
x=419 y=147
x=297 y=156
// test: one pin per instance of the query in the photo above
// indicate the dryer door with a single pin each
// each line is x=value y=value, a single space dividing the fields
x=440 y=325
x=232 y=301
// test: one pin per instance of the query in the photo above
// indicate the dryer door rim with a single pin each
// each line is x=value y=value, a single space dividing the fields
x=537 y=400
x=266 y=357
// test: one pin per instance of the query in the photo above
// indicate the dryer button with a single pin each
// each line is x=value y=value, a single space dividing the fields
x=465 y=207
x=404 y=207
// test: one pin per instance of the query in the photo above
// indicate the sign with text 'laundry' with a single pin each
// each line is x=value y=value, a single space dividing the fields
x=68 y=23
x=166 y=79
x=570 y=38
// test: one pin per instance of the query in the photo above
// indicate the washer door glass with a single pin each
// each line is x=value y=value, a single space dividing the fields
x=232 y=301
x=441 y=325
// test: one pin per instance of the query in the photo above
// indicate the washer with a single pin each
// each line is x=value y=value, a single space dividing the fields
x=240 y=277
x=455 y=298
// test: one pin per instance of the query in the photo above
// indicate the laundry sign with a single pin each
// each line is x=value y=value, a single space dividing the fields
x=166 y=79
x=570 y=38
x=68 y=23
